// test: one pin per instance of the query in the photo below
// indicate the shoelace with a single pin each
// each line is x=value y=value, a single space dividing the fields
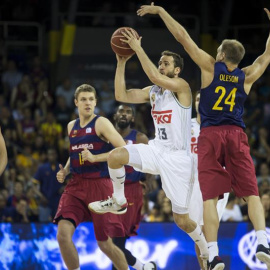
x=107 y=203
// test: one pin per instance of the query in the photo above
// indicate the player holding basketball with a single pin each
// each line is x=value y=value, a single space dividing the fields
x=196 y=202
x=90 y=180
x=123 y=118
x=222 y=141
x=169 y=153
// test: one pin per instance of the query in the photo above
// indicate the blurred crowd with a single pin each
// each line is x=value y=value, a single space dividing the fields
x=33 y=119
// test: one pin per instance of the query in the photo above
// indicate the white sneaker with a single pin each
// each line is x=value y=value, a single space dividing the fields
x=150 y=266
x=204 y=258
x=108 y=206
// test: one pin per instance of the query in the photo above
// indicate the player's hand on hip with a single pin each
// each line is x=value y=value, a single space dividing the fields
x=87 y=155
x=148 y=9
x=61 y=175
x=267 y=12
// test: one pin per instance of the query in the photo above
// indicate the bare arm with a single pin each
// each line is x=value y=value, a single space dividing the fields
x=255 y=71
x=3 y=154
x=200 y=57
x=173 y=84
x=121 y=93
x=106 y=131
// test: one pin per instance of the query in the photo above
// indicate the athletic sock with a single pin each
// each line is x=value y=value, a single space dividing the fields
x=262 y=238
x=138 y=265
x=199 y=239
x=118 y=177
x=213 y=250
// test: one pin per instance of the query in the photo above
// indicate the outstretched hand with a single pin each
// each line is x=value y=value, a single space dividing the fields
x=131 y=39
x=148 y=9
x=267 y=12
x=61 y=175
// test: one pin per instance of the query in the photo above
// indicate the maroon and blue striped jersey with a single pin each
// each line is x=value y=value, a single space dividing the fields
x=86 y=137
x=222 y=102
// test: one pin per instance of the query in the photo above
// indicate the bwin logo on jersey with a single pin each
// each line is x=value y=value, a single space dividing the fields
x=162 y=117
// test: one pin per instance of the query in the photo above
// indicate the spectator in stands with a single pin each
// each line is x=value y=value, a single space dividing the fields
x=46 y=177
x=264 y=173
x=265 y=199
x=264 y=186
x=27 y=127
x=232 y=211
x=62 y=112
x=261 y=150
x=19 y=213
x=67 y=90
x=17 y=196
x=11 y=78
x=51 y=130
x=37 y=72
x=166 y=214
x=24 y=92
x=7 y=122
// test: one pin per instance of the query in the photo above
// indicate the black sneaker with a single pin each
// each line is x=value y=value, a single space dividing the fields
x=216 y=264
x=263 y=254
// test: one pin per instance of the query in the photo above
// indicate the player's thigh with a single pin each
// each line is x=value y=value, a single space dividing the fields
x=143 y=157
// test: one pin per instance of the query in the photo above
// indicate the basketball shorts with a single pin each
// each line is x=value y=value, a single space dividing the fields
x=174 y=168
x=225 y=146
x=74 y=204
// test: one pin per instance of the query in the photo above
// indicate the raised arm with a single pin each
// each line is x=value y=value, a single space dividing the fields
x=173 y=84
x=255 y=71
x=200 y=57
x=121 y=92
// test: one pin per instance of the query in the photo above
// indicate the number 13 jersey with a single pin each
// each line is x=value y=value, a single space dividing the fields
x=171 y=119
x=222 y=102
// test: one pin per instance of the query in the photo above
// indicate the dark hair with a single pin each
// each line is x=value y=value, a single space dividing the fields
x=128 y=105
x=178 y=60
x=233 y=49
x=85 y=88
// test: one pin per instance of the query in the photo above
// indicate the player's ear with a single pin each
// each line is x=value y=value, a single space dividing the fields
x=177 y=71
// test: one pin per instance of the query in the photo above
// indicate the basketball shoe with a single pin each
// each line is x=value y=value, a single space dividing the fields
x=108 y=206
x=150 y=266
x=263 y=254
x=216 y=264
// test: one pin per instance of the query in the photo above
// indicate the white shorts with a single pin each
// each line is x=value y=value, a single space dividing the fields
x=174 y=168
x=196 y=204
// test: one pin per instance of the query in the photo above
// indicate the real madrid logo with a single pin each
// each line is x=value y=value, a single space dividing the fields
x=153 y=97
x=192 y=132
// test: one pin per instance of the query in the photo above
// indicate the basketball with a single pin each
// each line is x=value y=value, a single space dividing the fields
x=119 y=47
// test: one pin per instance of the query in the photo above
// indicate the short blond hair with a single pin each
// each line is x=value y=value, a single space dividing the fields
x=85 y=88
x=233 y=49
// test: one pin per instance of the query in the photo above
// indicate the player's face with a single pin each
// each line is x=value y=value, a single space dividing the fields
x=166 y=66
x=86 y=103
x=124 y=116
x=197 y=101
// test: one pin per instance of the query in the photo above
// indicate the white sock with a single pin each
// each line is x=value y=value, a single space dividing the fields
x=118 y=177
x=199 y=239
x=77 y=268
x=213 y=250
x=262 y=238
x=138 y=265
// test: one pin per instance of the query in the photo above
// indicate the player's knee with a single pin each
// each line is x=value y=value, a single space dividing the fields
x=106 y=247
x=118 y=157
x=62 y=238
x=181 y=222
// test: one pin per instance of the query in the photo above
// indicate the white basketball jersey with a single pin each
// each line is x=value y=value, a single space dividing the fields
x=171 y=119
x=195 y=132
